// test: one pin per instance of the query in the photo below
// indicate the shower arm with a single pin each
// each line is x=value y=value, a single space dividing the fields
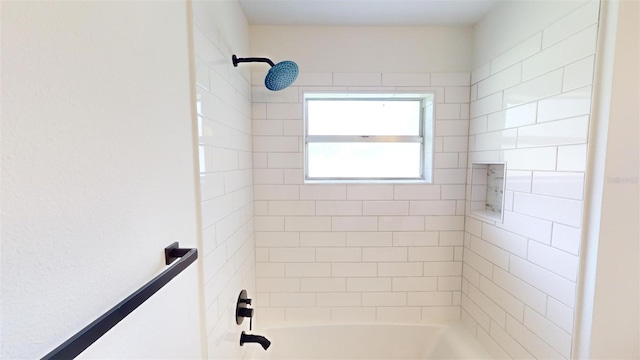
x=237 y=60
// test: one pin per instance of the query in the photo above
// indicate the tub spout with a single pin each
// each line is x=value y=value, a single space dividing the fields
x=248 y=338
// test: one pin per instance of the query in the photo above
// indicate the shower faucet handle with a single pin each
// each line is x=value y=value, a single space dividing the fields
x=245 y=301
x=245 y=312
x=242 y=311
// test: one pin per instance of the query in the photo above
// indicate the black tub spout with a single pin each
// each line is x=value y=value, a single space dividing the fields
x=248 y=338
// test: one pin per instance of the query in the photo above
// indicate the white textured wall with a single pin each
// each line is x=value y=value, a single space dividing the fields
x=530 y=107
x=358 y=252
x=224 y=116
x=414 y=49
x=615 y=329
x=98 y=175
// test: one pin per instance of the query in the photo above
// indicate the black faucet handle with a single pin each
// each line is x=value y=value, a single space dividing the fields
x=245 y=301
x=245 y=312
x=242 y=311
x=248 y=313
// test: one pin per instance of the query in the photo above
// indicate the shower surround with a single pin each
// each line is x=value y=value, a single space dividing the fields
x=408 y=252
x=358 y=252
x=391 y=252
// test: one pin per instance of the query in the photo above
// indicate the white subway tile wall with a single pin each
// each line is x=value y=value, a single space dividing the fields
x=519 y=276
x=226 y=180
x=364 y=252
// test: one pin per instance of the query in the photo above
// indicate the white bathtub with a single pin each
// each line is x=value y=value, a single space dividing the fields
x=370 y=341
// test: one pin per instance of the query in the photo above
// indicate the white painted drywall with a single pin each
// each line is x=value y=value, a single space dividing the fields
x=98 y=175
x=615 y=331
x=366 y=49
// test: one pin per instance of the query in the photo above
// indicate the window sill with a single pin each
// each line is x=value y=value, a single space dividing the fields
x=366 y=182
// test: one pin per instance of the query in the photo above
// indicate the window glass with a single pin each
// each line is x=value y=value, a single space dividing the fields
x=364 y=160
x=363 y=117
x=368 y=136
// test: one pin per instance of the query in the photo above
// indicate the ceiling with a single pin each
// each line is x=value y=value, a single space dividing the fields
x=365 y=12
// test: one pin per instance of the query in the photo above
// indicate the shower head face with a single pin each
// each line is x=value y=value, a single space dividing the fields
x=281 y=75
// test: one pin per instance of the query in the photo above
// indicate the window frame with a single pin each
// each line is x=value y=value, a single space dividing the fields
x=425 y=137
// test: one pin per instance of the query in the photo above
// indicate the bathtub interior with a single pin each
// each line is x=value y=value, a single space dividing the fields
x=456 y=342
x=370 y=341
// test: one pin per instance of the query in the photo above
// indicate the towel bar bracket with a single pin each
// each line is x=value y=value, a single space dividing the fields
x=173 y=252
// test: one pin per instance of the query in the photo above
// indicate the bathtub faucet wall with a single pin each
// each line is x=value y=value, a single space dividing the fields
x=243 y=311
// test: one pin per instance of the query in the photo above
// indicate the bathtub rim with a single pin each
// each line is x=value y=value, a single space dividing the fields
x=442 y=324
x=447 y=331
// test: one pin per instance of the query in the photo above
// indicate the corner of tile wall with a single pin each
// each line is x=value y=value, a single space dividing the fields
x=226 y=181
x=530 y=107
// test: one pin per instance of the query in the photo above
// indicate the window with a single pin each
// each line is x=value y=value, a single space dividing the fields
x=370 y=137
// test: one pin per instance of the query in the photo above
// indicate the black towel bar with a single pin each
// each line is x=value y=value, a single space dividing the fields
x=92 y=332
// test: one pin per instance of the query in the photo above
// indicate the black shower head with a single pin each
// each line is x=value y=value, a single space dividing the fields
x=280 y=76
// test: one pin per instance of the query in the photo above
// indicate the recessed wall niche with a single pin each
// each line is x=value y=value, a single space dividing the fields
x=487 y=190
